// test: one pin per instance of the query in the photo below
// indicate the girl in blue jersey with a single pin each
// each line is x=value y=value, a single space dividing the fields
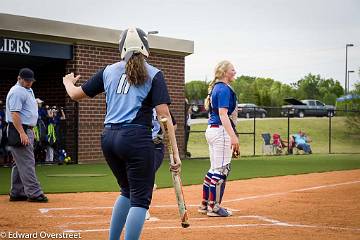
x=221 y=137
x=132 y=88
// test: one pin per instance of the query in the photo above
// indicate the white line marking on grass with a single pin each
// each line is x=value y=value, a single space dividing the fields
x=46 y=210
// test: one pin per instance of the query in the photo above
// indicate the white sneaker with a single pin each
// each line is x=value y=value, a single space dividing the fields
x=147 y=215
x=221 y=212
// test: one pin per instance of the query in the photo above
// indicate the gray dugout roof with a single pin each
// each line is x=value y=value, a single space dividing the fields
x=63 y=32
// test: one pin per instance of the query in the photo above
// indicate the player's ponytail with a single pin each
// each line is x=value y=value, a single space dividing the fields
x=207 y=99
x=220 y=70
x=136 y=72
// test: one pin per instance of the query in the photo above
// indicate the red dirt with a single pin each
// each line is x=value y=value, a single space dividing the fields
x=309 y=206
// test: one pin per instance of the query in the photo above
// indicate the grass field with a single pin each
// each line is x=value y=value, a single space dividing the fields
x=79 y=177
x=342 y=141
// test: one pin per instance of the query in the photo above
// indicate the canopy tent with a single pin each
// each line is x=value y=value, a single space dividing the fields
x=348 y=97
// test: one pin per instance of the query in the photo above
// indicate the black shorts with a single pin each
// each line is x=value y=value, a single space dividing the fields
x=159 y=155
x=129 y=151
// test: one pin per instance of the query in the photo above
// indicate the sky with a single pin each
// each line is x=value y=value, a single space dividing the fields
x=279 y=39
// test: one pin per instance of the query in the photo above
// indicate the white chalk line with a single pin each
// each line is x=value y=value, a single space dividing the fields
x=155 y=219
x=224 y=226
x=291 y=191
x=71 y=216
x=151 y=220
x=260 y=218
x=46 y=210
x=269 y=223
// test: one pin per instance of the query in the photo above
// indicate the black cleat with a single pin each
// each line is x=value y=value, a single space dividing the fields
x=41 y=198
x=17 y=198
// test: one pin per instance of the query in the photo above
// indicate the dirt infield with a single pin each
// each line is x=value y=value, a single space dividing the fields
x=309 y=206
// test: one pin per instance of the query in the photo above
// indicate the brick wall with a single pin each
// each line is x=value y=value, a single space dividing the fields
x=88 y=60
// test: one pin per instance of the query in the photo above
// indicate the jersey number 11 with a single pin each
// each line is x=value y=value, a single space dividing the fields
x=124 y=85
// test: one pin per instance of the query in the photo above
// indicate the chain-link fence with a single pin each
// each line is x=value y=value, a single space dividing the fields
x=259 y=128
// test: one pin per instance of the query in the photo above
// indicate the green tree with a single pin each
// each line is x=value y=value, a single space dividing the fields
x=315 y=87
x=307 y=87
x=196 y=90
x=262 y=91
x=353 y=118
x=244 y=89
x=330 y=90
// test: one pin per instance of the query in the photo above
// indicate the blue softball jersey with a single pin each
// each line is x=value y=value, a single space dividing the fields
x=125 y=103
x=222 y=96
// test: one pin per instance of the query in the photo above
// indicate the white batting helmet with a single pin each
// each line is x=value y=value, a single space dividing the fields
x=133 y=40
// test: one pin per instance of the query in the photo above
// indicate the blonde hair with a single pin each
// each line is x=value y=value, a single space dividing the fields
x=220 y=71
x=136 y=72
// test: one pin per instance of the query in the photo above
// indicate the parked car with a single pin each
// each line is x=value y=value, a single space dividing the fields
x=308 y=107
x=198 y=110
x=247 y=110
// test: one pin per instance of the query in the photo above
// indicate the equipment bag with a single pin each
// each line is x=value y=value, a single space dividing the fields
x=13 y=136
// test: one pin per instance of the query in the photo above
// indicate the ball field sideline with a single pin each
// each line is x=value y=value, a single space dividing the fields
x=98 y=177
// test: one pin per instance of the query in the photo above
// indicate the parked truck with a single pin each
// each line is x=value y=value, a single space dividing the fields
x=308 y=107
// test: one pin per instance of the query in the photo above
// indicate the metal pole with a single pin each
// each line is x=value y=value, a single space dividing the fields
x=346 y=68
x=254 y=130
x=288 y=132
x=348 y=79
x=346 y=53
x=330 y=134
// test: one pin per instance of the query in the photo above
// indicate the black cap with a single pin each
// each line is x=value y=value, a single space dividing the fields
x=26 y=74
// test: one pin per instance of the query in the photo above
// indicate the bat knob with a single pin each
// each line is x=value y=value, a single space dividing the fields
x=185 y=225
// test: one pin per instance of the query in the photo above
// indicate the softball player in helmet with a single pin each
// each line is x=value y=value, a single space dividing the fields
x=221 y=137
x=132 y=88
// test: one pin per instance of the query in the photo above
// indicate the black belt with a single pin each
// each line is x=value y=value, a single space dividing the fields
x=214 y=126
x=25 y=127
x=124 y=125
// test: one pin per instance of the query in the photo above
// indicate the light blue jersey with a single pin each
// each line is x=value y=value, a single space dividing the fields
x=122 y=100
x=22 y=100
x=156 y=128
x=125 y=103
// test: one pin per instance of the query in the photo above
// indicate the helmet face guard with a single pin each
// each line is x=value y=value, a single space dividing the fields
x=133 y=40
